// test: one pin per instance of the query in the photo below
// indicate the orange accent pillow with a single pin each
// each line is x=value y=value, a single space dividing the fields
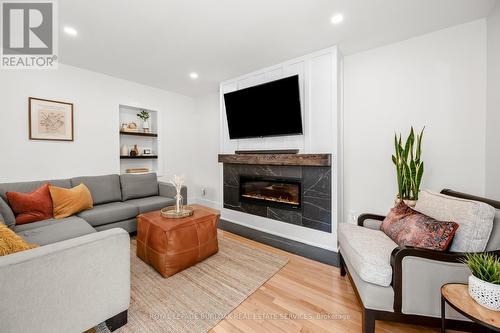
x=69 y=201
x=31 y=207
x=12 y=243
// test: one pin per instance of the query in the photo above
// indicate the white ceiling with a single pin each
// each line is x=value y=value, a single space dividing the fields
x=158 y=43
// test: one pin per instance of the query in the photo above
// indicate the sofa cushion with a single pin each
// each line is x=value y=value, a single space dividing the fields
x=104 y=189
x=138 y=186
x=108 y=213
x=407 y=227
x=24 y=187
x=34 y=225
x=149 y=204
x=368 y=251
x=31 y=207
x=475 y=219
x=6 y=214
x=60 y=230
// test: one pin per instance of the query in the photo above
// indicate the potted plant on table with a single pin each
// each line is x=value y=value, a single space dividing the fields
x=144 y=115
x=409 y=167
x=484 y=283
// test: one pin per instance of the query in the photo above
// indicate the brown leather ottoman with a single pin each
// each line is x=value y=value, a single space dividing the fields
x=172 y=245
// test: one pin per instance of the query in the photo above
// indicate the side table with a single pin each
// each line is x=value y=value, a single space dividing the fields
x=457 y=296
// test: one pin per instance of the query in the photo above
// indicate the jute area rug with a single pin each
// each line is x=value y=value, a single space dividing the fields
x=196 y=299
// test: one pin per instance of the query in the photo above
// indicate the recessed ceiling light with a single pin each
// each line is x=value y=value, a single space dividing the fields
x=70 y=31
x=193 y=75
x=337 y=19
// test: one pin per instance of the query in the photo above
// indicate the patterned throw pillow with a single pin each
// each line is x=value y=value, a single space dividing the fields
x=407 y=227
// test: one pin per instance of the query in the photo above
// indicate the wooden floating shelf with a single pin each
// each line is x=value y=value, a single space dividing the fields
x=278 y=159
x=139 y=157
x=152 y=135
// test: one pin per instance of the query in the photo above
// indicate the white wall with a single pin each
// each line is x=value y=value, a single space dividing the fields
x=493 y=114
x=208 y=168
x=95 y=151
x=436 y=80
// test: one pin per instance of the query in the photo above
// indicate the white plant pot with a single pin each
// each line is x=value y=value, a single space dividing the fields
x=485 y=293
x=409 y=203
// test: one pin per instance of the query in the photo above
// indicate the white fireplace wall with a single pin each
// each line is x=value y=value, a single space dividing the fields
x=319 y=80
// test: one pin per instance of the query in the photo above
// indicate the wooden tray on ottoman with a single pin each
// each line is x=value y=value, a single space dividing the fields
x=172 y=245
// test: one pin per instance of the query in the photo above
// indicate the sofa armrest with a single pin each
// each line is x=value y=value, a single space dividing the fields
x=370 y=220
x=167 y=190
x=68 y=286
x=435 y=269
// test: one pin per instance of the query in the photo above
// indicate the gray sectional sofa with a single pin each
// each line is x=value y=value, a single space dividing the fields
x=118 y=199
x=79 y=277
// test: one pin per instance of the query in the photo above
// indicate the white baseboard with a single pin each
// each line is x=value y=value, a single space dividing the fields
x=205 y=202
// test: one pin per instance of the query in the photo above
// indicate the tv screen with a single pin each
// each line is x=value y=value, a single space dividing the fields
x=269 y=109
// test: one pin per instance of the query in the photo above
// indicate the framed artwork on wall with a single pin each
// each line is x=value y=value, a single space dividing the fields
x=50 y=120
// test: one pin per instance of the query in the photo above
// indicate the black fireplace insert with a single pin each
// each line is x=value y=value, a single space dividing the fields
x=271 y=191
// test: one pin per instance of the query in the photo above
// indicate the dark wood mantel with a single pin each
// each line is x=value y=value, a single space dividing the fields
x=278 y=159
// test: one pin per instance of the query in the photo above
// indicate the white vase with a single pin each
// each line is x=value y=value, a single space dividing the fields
x=409 y=203
x=124 y=151
x=485 y=293
x=145 y=126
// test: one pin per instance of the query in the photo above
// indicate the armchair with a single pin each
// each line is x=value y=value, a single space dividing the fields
x=413 y=294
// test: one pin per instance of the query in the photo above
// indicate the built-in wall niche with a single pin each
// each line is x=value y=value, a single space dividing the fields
x=146 y=140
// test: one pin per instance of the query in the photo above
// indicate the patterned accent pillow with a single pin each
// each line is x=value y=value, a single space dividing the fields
x=407 y=227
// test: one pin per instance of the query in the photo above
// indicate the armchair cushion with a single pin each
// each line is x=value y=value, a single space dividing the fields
x=368 y=251
x=475 y=219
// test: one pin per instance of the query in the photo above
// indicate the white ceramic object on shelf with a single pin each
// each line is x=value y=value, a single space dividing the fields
x=485 y=293
x=145 y=126
x=124 y=151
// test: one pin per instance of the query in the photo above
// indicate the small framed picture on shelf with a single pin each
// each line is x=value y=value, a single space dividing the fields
x=50 y=120
x=146 y=151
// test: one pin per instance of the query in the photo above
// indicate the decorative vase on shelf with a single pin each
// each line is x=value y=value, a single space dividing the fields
x=124 y=150
x=134 y=151
x=485 y=293
x=145 y=126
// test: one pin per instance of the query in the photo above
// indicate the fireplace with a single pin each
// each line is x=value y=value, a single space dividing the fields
x=271 y=191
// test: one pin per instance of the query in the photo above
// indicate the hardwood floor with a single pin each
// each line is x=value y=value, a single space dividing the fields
x=305 y=296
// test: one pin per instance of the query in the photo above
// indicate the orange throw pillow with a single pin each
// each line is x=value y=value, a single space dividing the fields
x=12 y=243
x=70 y=201
x=31 y=207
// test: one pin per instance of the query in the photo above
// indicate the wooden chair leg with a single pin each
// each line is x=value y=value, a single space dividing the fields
x=342 y=265
x=368 y=321
x=117 y=321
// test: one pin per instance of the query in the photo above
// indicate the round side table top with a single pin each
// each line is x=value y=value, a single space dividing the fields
x=457 y=296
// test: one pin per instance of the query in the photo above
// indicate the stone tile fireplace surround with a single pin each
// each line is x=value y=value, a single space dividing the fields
x=271 y=184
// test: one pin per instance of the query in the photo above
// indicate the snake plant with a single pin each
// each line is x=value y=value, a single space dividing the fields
x=409 y=166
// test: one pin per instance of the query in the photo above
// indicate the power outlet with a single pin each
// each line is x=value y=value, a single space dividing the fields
x=203 y=192
x=353 y=217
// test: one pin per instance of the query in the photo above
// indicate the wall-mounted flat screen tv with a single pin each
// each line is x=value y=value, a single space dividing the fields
x=268 y=109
